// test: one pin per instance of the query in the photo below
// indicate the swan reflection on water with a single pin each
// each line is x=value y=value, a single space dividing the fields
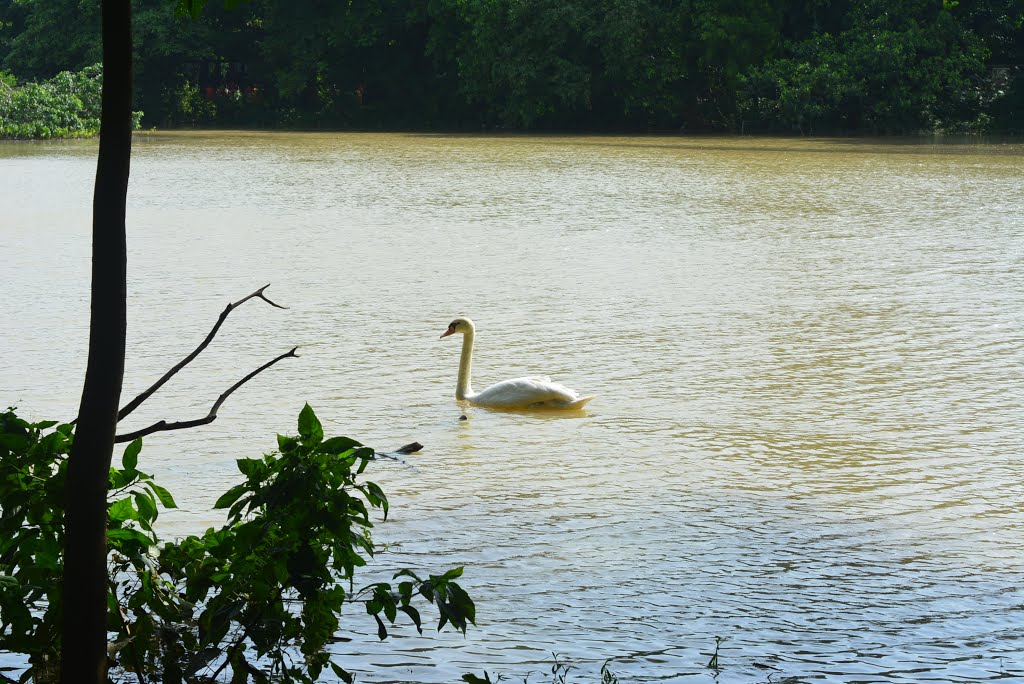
x=532 y=413
x=533 y=393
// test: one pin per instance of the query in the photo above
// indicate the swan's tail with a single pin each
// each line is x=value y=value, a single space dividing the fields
x=578 y=404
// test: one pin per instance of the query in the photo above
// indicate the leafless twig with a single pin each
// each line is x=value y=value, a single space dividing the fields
x=134 y=403
x=163 y=425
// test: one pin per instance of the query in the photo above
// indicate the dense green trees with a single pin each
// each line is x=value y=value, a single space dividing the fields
x=811 y=66
x=917 y=70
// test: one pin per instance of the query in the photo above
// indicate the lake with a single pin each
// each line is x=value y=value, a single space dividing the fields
x=808 y=357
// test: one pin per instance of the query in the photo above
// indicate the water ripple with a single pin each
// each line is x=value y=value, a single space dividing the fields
x=807 y=354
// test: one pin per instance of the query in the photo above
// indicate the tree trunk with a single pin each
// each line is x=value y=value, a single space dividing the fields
x=84 y=629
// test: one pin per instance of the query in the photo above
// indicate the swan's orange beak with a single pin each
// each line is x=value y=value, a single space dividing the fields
x=449 y=331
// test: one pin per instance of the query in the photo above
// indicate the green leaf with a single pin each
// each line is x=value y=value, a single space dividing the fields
x=339 y=445
x=310 y=429
x=15 y=443
x=249 y=466
x=130 y=459
x=165 y=496
x=452 y=574
x=146 y=504
x=375 y=495
x=464 y=607
x=406 y=572
x=122 y=510
x=414 y=615
x=382 y=632
x=236 y=509
x=471 y=678
x=344 y=674
x=122 y=478
x=44 y=424
x=129 y=535
x=231 y=496
x=286 y=444
x=366 y=454
x=54 y=443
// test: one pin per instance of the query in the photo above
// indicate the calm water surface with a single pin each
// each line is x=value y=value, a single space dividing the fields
x=808 y=357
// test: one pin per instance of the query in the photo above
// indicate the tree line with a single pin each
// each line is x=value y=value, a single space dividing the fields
x=791 y=66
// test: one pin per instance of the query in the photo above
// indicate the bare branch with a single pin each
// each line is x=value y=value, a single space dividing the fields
x=163 y=425
x=134 y=403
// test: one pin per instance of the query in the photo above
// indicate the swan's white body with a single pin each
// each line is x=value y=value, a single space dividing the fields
x=518 y=393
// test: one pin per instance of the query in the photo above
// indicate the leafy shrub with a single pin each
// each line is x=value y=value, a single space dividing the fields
x=33 y=469
x=191 y=106
x=66 y=106
x=259 y=598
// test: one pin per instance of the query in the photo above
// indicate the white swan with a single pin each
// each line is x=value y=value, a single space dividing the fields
x=518 y=393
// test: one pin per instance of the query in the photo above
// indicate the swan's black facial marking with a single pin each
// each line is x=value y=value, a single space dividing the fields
x=453 y=325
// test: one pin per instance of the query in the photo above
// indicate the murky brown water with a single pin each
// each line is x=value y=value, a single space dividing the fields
x=808 y=357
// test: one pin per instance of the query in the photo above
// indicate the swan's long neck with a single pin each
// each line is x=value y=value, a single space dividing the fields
x=463 y=388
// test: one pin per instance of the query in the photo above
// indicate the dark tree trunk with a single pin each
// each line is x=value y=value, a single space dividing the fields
x=84 y=635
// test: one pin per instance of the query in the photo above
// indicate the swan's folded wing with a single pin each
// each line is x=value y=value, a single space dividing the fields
x=525 y=392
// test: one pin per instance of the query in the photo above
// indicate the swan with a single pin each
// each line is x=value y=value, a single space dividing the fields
x=518 y=393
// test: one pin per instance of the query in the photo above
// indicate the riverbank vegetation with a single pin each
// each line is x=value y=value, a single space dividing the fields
x=257 y=599
x=784 y=66
x=65 y=106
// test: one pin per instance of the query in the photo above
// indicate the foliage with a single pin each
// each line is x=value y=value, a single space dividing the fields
x=259 y=597
x=887 y=73
x=33 y=470
x=66 y=106
x=42 y=40
x=799 y=65
x=192 y=107
x=643 y=47
x=526 y=60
